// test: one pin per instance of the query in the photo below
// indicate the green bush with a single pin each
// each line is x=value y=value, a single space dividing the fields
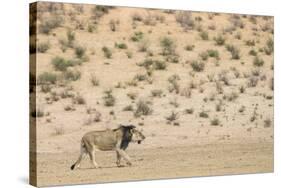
x=62 y=64
x=220 y=40
x=204 y=35
x=197 y=66
x=109 y=99
x=80 y=51
x=107 y=52
x=258 y=62
x=43 y=47
x=138 y=36
x=235 y=52
x=72 y=75
x=47 y=78
x=168 y=46
x=121 y=45
x=142 y=109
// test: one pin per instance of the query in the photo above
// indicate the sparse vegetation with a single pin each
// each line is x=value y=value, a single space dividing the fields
x=235 y=52
x=108 y=98
x=220 y=40
x=197 y=66
x=142 y=108
x=107 y=52
x=43 y=47
x=72 y=75
x=215 y=122
x=258 y=62
x=168 y=46
x=47 y=78
x=203 y=114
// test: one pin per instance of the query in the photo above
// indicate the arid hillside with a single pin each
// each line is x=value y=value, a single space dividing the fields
x=184 y=78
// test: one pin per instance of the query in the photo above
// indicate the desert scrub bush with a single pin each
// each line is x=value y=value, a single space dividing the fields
x=173 y=83
x=79 y=100
x=204 y=56
x=203 y=114
x=140 y=77
x=159 y=65
x=267 y=123
x=235 y=52
x=80 y=51
x=153 y=64
x=250 y=42
x=72 y=75
x=70 y=38
x=143 y=45
x=215 y=122
x=120 y=45
x=47 y=78
x=231 y=97
x=137 y=36
x=242 y=89
x=253 y=81
x=204 y=35
x=142 y=108
x=189 y=47
x=253 y=52
x=46 y=88
x=197 y=66
x=94 y=80
x=128 y=108
x=61 y=64
x=219 y=40
x=241 y=109
x=219 y=87
x=156 y=93
x=49 y=24
x=136 y=17
x=113 y=25
x=173 y=116
x=186 y=92
x=168 y=46
x=189 y=111
x=129 y=54
x=213 y=53
x=269 y=48
x=108 y=98
x=99 y=11
x=107 y=52
x=223 y=77
x=132 y=95
x=258 y=62
x=184 y=18
x=43 y=47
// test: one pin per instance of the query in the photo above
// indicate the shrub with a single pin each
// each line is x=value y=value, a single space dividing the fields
x=79 y=100
x=258 y=62
x=197 y=66
x=46 y=88
x=235 y=52
x=185 y=19
x=80 y=51
x=132 y=95
x=213 y=53
x=109 y=99
x=189 y=111
x=59 y=131
x=47 y=78
x=143 y=45
x=140 y=77
x=128 y=108
x=138 y=36
x=173 y=84
x=113 y=25
x=94 y=80
x=159 y=65
x=168 y=46
x=204 y=35
x=49 y=24
x=60 y=63
x=253 y=52
x=70 y=38
x=253 y=81
x=269 y=48
x=204 y=56
x=189 y=47
x=215 y=122
x=72 y=75
x=267 y=123
x=220 y=40
x=43 y=47
x=121 y=45
x=142 y=108
x=173 y=116
x=107 y=52
x=250 y=42
x=156 y=92
x=203 y=114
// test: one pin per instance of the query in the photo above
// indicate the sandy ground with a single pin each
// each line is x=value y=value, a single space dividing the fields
x=157 y=163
